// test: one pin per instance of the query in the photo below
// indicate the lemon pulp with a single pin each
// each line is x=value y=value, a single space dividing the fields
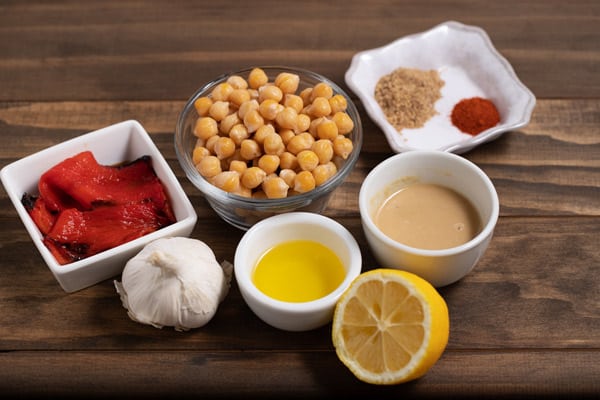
x=298 y=271
x=390 y=326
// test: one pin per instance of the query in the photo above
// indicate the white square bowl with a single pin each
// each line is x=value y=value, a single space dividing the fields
x=124 y=141
x=470 y=66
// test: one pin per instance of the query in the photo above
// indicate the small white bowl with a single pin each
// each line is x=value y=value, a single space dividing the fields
x=467 y=61
x=125 y=141
x=439 y=267
x=286 y=227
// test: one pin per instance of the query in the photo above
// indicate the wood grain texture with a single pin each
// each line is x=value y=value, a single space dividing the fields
x=96 y=50
x=525 y=323
x=193 y=374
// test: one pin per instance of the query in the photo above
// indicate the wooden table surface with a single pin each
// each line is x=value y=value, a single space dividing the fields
x=525 y=322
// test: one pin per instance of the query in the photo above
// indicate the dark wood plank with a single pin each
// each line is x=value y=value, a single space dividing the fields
x=127 y=50
x=209 y=374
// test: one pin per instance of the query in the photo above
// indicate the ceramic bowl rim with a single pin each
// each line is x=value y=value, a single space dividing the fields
x=478 y=239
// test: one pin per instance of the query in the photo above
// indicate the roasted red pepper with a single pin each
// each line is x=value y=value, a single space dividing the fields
x=85 y=208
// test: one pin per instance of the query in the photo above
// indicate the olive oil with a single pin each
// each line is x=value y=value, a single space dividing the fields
x=298 y=271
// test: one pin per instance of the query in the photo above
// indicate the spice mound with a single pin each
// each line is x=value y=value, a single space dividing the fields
x=475 y=115
x=407 y=96
x=84 y=208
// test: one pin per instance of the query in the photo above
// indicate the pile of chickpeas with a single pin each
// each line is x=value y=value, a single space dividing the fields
x=262 y=139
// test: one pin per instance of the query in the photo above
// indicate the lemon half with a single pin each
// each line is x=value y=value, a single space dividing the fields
x=390 y=326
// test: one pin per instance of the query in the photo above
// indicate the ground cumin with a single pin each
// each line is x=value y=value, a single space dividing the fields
x=407 y=96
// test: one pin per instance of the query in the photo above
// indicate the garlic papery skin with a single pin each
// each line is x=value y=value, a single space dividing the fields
x=174 y=281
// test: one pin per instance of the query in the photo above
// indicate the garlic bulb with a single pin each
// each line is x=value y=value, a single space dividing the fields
x=174 y=281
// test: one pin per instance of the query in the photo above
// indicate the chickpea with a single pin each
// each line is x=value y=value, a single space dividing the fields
x=199 y=153
x=253 y=120
x=287 y=82
x=253 y=177
x=247 y=106
x=294 y=101
x=343 y=122
x=239 y=96
x=238 y=166
x=237 y=82
x=302 y=141
x=275 y=187
x=269 y=109
x=228 y=122
x=323 y=172
x=224 y=147
x=269 y=163
x=269 y=92
x=210 y=143
x=250 y=150
x=323 y=148
x=288 y=160
x=342 y=146
x=302 y=123
x=202 y=105
x=221 y=92
x=238 y=133
x=307 y=160
x=321 y=89
x=327 y=129
x=320 y=107
x=263 y=132
x=288 y=175
x=338 y=103
x=257 y=78
x=273 y=144
x=287 y=118
x=305 y=95
x=206 y=127
x=228 y=181
x=286 y=135
x=314 y=123
x=219 y=110
x=209 y=166
x=304 y=182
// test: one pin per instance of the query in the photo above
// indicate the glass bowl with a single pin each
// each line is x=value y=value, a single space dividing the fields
x=243 y=212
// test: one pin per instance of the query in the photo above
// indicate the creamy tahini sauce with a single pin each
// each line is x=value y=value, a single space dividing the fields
x=428 y=216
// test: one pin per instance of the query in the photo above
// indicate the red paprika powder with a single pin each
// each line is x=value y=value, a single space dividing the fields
x=475 y=115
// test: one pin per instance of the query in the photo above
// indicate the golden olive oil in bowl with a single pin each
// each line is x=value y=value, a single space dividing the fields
x=291 y=269
x=298 y=271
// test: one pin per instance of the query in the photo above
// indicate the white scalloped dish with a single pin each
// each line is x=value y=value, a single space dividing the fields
x=470 y=67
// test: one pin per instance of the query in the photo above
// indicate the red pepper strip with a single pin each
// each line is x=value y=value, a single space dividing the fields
x=82 y=183
x=80 y=234
x=85 y=208
x=36 y=207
